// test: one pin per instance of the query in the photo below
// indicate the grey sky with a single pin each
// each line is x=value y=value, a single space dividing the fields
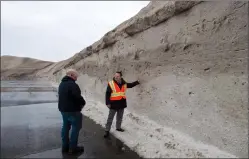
x=56 y=30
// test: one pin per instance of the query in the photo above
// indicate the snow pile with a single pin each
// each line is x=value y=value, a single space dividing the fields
x=150 y=139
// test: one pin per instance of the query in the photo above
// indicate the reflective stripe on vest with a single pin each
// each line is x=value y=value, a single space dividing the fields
x=117 y=94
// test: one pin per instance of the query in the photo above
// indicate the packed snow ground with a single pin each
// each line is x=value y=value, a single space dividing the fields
x=150 y=139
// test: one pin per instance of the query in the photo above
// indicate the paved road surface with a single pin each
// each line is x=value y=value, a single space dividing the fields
x=33 y=130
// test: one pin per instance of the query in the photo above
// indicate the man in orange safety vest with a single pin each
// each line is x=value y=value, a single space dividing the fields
x=116 y=100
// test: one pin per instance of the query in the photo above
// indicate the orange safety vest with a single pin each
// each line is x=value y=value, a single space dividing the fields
x=117 y=93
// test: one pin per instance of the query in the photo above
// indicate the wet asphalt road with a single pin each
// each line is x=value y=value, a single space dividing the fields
x=33 y=130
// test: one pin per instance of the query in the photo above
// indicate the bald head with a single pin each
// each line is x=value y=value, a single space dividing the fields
x=72 y=73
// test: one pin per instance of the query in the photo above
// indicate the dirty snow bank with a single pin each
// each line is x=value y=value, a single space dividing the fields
x=150 y=139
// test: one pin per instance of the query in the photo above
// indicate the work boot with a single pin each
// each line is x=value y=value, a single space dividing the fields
x=106 y=134
x=65 y=149
x=78 y=149
x=120 y=129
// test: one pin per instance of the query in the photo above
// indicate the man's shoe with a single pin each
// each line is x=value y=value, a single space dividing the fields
x=121 y=130
x=78 y=149
x=65 y=149
x=106 y=134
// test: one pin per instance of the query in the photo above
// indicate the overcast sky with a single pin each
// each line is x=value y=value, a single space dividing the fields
x=56 y=30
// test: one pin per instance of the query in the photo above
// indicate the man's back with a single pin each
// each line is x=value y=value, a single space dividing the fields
x=70 y=99
x=70 y=105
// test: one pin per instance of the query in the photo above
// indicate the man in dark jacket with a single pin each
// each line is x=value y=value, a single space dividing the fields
x=70 y=105
x=116 y=100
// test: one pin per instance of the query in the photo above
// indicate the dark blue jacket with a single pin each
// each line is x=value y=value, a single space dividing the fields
x=70 y=99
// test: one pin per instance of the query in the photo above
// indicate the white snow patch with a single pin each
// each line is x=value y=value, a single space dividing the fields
x=151 y=140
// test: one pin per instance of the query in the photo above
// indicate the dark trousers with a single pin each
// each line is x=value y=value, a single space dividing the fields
x=111 y=115
x=74 y=120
